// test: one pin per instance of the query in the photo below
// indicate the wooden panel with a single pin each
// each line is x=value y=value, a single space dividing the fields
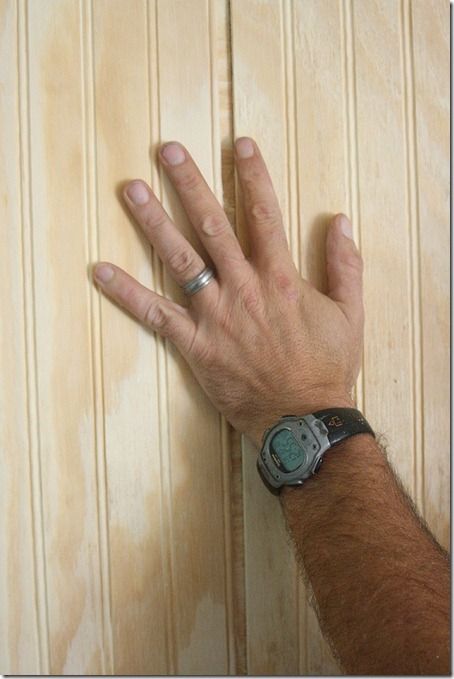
x=130 y=375
x=138 y=538
x=384 y=227
x=428 y=27
x=62 y=337
x=22 y=622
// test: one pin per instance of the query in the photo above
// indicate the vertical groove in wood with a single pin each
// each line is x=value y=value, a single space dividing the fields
x=95 y=322
x=216 y=162
x=233 y=210
x=230 y=634
x=232 y=456
x=351 y=145
x=238 y=555
x=413 y=253
x=39 y=546
x=161 y=352
x=293 y=223
x=291 y=123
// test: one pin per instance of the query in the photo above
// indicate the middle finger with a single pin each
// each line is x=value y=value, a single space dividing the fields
x=203 y=210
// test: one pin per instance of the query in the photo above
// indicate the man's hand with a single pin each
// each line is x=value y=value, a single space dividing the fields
x=262 y=341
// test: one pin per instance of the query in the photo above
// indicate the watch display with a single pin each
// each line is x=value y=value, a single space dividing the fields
x=286 y=451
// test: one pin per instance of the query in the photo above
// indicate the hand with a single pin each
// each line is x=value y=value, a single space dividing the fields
x=261 y=341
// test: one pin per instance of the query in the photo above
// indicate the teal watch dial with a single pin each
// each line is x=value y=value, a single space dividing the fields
x=287 y=453
x=291 y=451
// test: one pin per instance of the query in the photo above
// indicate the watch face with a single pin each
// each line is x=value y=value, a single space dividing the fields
x=287 y=453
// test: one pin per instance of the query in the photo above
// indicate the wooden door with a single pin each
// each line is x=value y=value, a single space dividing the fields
x=136 y=536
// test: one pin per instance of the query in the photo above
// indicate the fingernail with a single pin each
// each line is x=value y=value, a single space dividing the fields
x=345 y=225
x=173 y=153
x=138 y=193
x=103 y=273
x=244 y=147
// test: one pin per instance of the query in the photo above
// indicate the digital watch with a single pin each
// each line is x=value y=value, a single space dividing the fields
x=293 y=449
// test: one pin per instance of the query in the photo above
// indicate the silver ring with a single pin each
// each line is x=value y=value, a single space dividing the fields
x=199 y=282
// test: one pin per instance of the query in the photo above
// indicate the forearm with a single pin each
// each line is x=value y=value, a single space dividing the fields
x=380 y=582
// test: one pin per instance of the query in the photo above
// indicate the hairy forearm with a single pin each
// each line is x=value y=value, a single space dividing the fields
x=380 y=581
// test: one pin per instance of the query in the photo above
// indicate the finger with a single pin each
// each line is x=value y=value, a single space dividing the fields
x=263 y=214
x=158 y=313
x=175 y=251
x=203 y=210
x=344 y=267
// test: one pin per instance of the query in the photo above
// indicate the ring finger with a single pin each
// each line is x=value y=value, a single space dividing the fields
x=177 y=254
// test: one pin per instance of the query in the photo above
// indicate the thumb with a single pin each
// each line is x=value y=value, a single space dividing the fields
x=344 y=268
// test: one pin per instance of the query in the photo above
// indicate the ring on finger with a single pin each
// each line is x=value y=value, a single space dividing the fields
x=199 y=282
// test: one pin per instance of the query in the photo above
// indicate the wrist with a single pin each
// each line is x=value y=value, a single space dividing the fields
x=257 y=428
x=359 y=453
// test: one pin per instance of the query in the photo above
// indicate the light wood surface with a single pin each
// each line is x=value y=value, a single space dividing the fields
x=136 y=536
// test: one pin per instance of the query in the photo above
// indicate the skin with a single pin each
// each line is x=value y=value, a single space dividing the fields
x=263 y=342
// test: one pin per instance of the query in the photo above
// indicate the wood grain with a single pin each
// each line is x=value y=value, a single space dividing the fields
x=62 y=337
x=383 y=223
x=23 y=634
x=135 y=533
x=428 y=32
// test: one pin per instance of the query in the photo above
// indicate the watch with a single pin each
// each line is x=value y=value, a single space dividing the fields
x=293 y=449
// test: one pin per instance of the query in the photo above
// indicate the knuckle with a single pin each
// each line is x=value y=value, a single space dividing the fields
x=181 y=262
x=156 y=317
x=214 y=224
x=154 y=220
x=202 y=354
x=131 y=297
x=286 y=285
x=188 y=181
x=353 y=261
x=264 y=213
x=251 y=299
x=251 y=302
x=250 y=180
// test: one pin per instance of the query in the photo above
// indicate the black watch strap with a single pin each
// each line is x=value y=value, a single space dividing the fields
x=342 y=423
